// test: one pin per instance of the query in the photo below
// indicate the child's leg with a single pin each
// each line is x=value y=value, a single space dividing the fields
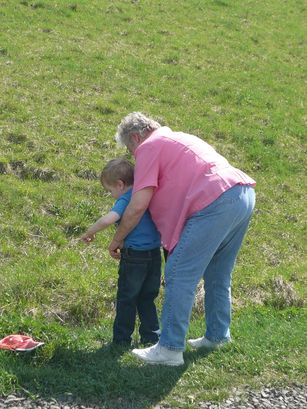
x=132 y=274
x=124 y=322
x=146 y=300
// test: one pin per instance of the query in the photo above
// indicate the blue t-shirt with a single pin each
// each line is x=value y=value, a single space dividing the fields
x=145 y=235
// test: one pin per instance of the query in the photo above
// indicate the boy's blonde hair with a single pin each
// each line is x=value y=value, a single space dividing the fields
x=118 y=169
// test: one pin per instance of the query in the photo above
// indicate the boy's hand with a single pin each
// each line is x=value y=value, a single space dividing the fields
x=87 y=238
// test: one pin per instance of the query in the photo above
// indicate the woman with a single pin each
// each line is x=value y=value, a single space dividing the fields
x=202 y=207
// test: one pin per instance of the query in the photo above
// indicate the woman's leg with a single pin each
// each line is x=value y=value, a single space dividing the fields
x=201 y=238
x=217 y=282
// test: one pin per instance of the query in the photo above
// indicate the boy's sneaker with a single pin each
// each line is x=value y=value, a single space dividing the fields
x=203 y=342
x=158 y=354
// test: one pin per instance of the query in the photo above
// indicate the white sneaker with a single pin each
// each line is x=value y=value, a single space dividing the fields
x=158 y=354
x=203 y=342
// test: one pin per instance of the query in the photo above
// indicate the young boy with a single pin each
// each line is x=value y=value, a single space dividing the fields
x=140 y=262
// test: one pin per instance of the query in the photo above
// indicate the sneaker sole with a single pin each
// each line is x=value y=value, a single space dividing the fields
x=209 y=348
x=168 y=363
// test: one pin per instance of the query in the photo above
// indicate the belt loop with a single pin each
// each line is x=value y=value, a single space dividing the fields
x=124 y=251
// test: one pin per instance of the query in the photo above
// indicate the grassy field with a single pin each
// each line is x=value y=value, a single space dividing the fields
x=230 y=72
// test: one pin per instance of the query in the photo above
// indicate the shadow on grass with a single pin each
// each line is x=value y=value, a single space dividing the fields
x=108 y=377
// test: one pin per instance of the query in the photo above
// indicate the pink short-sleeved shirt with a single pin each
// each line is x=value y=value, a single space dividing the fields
x=187 y=175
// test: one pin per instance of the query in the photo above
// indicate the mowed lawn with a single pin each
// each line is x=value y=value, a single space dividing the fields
x=231 y=72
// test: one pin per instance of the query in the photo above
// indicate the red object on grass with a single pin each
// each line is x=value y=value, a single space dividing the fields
x=19 y=343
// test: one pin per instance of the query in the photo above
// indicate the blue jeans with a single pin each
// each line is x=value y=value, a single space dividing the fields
x=138 y=286
x=207 y=249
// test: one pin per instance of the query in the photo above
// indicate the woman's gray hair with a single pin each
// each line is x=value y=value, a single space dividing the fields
x=135 y=123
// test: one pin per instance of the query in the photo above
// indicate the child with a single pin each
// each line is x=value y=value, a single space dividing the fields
x=140 y=262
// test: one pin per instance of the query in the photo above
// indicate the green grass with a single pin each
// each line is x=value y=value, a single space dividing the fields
x=229 y=72
x=263 y=351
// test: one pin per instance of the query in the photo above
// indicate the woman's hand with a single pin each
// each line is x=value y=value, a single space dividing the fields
x=114 y=248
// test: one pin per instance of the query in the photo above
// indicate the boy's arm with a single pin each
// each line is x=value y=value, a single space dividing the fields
x=101 y=224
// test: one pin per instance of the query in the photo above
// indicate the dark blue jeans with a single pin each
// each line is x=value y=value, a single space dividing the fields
x=138 y=286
